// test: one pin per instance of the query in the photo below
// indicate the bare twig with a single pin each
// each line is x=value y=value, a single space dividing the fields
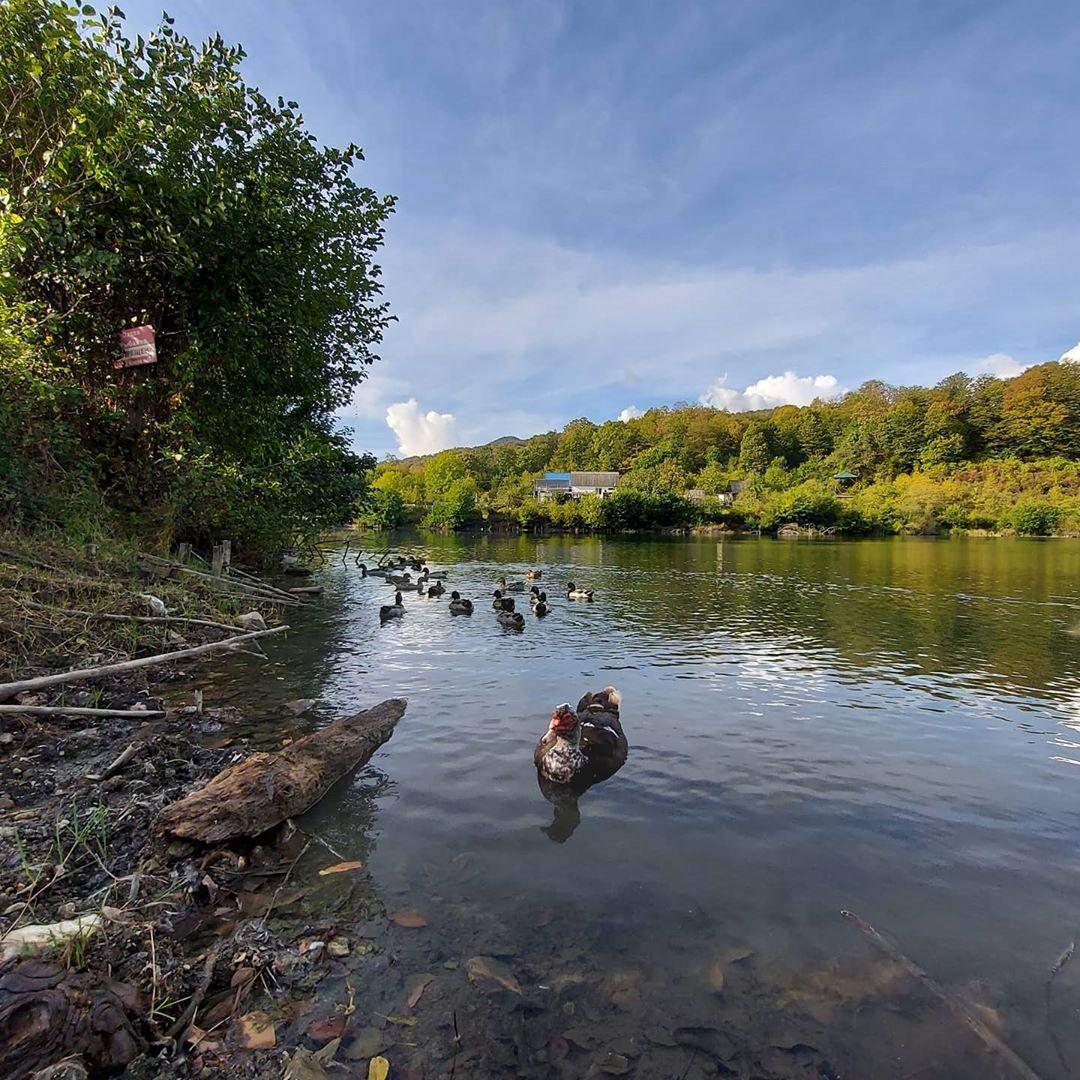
x=284 y=882
x=955 y=1004
x=8 y=690
x=116 y=765
x=72 y=710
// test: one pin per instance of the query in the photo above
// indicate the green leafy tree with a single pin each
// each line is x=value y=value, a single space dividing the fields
x=754 y=450
x=143 y=181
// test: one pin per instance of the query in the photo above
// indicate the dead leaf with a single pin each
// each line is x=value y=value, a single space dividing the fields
x=410 y=919
x=257 y=1031
x=416 y=987
x=716 y=976
x=325 y=1027
x=328 y=1051
x=487 y=967
x=303 y=1066
x=241 y=976
x=378 y=1068
x=401 y=1021
x=340 y=868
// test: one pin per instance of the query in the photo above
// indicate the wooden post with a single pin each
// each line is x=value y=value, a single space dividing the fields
x=226 y=555
x=184 y=553
x=217 y=560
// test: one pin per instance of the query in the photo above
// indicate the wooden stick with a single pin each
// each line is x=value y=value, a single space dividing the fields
x=18 y=556
x=116 y=765
x=8 y=690
x=115 y=617
x=956 y=1004
x=71 y=710
x=268 y=592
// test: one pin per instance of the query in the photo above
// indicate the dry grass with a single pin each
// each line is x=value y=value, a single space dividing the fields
x=39 y=578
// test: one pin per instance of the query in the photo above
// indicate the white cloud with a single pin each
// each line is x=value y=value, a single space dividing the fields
x=417 y=432
x=773 y=390
x=1072 y=354
x=1002 y=365
x=629 y=413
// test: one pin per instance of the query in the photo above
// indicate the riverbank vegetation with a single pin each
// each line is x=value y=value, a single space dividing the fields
x=143 y=182
x=969 y=453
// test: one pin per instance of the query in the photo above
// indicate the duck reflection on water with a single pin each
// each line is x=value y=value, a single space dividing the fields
x=581 y=747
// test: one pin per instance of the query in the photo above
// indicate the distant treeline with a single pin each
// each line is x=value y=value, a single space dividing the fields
x=982 y=453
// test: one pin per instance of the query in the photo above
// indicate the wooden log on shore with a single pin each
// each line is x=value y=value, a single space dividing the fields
x=262 y=791
x=48 y=1012
x=8 y=690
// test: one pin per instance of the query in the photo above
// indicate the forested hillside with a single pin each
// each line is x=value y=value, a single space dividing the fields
x=984 y=453
x=144 y=184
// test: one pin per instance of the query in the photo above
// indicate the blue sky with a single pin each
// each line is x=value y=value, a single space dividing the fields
x=613 y=204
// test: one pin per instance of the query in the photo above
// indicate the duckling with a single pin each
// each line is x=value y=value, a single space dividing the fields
x=497 y=603
x=574 y=593
x=437 y=589
x=540 y=608
x=459 y=606
x=509 y=618
x=438 y=575
x=534 y=575
x=514 y=586
x=392 y=611
x=399 y=580
x=534 y=594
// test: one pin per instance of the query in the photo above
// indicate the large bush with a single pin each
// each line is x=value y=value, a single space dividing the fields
x=144 y=182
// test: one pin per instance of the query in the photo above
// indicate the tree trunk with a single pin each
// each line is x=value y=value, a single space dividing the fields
x=248 y=798
x=48 y=1012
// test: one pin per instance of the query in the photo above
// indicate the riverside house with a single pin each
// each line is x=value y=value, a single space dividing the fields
x=575 y=484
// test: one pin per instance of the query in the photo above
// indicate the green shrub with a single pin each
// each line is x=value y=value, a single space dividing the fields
x=1034 y=518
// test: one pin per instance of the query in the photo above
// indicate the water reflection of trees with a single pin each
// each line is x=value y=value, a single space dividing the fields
x=991 y=611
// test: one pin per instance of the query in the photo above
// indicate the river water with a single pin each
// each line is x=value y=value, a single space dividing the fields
x=889 y=727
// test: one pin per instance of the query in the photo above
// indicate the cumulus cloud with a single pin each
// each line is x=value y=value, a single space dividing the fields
x=773 y=390
x=629 y=413
x=418 y=432
x=1072 y=354
x=1002 y=365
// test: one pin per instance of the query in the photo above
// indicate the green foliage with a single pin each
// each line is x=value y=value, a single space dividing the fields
x=927 y=460
x=454 y=507
x=144 y=182
x=1035 y=518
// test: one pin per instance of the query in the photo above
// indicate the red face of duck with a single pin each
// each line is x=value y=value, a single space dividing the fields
x=563 y=721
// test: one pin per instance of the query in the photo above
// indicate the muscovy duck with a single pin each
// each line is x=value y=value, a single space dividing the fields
x=583 y=745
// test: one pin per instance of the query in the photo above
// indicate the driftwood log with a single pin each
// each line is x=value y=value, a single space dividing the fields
x=262 y=791
x=48 y=1012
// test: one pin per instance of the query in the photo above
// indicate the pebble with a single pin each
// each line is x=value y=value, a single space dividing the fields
x=337 y=947
x=6 y=738
x=6 y=802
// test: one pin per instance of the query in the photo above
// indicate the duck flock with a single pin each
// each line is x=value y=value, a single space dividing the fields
x=428 y=583
x=581 y=746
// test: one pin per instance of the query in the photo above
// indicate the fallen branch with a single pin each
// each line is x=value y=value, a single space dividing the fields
x=263 y=592
x=188 y=1015
x=112 y=616
x=8 y=690
x=116 y=765
x=956 y=1004
x=262 y=791
x=18 y=556
x=72 y=710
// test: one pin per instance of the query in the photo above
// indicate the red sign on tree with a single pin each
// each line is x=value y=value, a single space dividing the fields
x=137 y=346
